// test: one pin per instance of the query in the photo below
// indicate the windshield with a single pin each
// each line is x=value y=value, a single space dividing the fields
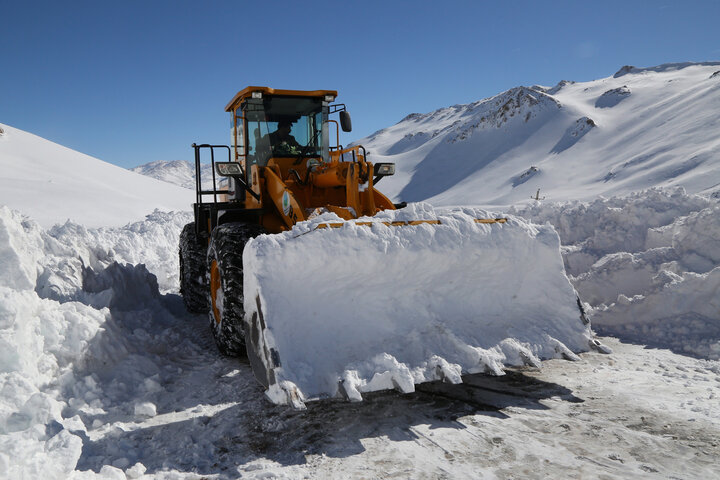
x=285 y=127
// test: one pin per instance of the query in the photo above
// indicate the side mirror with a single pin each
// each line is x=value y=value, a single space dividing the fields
x=345 y=122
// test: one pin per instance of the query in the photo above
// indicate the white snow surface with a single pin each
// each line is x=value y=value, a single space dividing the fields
x=410 y=304
x=104 y=375
x=52 y=184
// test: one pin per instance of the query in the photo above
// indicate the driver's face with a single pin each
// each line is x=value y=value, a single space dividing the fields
x=284 y=130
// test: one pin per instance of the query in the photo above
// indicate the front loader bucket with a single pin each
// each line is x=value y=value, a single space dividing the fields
x=378 y=303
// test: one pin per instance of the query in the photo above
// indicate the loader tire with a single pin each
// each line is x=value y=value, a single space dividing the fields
x=193 y=270
x=225 y=281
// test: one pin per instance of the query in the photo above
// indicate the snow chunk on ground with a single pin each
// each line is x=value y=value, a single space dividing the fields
x=20 y=247
x=146 y=409
x=136 y=471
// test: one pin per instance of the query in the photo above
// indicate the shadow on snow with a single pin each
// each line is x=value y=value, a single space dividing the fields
x=255 y=429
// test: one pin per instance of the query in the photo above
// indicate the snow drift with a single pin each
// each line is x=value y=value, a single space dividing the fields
x=406 y=304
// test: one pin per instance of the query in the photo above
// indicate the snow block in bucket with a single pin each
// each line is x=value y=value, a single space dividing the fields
x=342 y=311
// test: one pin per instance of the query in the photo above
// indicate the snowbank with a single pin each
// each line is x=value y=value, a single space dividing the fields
x=364 y=308
x=58 y=289
x=648 y=263
x=89 y=343
x=617 y=224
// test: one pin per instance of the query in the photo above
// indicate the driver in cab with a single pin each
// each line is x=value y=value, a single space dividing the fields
x=281 y=140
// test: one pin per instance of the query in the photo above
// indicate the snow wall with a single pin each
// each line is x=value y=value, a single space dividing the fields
x=648 y=265
x=72 y=354
x=63 y=292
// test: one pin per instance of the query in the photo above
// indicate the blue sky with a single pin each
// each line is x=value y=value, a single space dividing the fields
x=136 y=81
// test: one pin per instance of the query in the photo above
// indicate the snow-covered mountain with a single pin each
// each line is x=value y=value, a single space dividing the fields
x=177 y=172
x=640 y=128
x=52 y=183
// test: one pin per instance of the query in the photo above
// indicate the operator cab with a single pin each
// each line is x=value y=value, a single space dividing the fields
x=269 y=123
x=286 y=127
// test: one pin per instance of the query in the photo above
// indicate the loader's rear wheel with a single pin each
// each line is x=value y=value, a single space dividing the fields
x=193 y=268
x=225 y=278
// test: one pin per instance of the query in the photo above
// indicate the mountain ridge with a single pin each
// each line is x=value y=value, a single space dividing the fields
x=658 y=117
x=177 y=172
x=640 y=128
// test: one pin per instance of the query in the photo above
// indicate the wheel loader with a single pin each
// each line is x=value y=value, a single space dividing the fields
x=333 y=290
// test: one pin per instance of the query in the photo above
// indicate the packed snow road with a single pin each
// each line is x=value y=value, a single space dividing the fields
x=569 y=420
x=180 y=407
x=103 y=374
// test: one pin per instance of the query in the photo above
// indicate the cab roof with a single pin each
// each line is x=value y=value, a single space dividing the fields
x=247 y=92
